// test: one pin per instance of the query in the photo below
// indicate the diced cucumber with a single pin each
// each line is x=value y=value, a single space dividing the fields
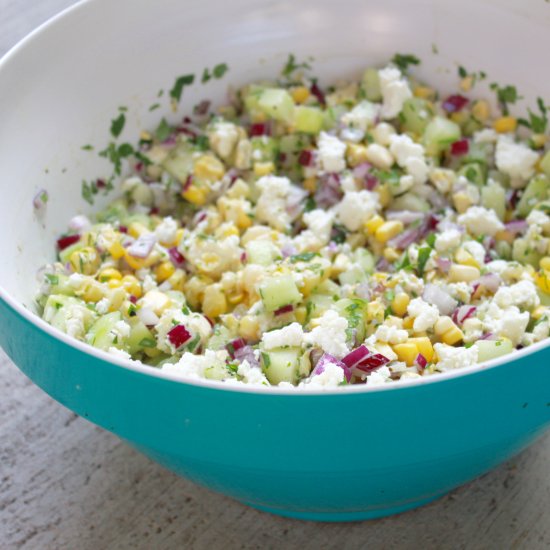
x=504 y=250
x=59 y=308
x=308 y=119
x=141 y=193
x=477 y=152
x=415 y=115
x=439 y=134
x=279 y=291
x=261 y=252
x=100 y=335
x=365 y=259
x=294 y=143
x=371 y=85
x=179 y=163
x=355 y=312
x=251 y=99
x=277 y=103
x=545 y=164
x=474 y=173
x=328 y=287
x=65 y=254
x=281 y=365
x=332 y=115
x=264 y=148
x=216 y=371
x=536 y=191
x=317 y=304
x=491 y=349
x=116 y=211
x=142 y=219
x=355 y=274
x=470 y=126
x=493 y=197
x=140 y=336
x=59 y=284
x=220 y=338
x=522 y=252
x=410 y=201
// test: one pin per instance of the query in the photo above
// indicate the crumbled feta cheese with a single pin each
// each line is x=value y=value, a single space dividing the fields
x=155 y=300
x=540 y=220
x=319 y=224
x=450 y=358
x=409 y=282
x=480 y=221
x=425 y=314
x=442 y=179
x=391 y=334
x=378 y=377
x=291 y=335
x=448 y=240
x=252 y=376
x=76 y=280
x=121 y=330
x=271 y=205
x=472 y=329
x=347 y=182
x=120 y=353
x=460 y=291
x=477 y=251
x=410 y=156
x=330 y=335
x=522 y=294
x=508 y=271
x=382 y=133
x=103 y=306
x=487 y=135
x=508 y=322
x=379 y=156
x=149 y=283
x=332 y=376
x=395 y=91
x=515 y=159
x=361 y=116
x=195 y=366
x=166 y=230
x=223 y=138
x=356 y=208
x=331 y=153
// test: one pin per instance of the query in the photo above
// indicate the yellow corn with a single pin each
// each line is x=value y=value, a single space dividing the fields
x=235 y=298
x=461 y=202
x=93 y=292
x=249 y=328
x=453 y=336
x=152 y=352
x=300 y=313
x=116 y=250
x=109 y=273
x=424 y=346
x=423 y=92
x=356 y=154
x=459 y=117
x=408 y=323
x=209 y=168
x=85 y=261
x=505 y=124
x=538 y=312
x=195 y=195
x=388 y=230
x=465 y=273
x=539 y=140
x=194 y=289
x=373 y=224
x=375 y=312
x=406 y=352
x=135 y=229
x=114 y=283
x=214 y=302
x=164 y=271
x=391 y=254
x=542 y=279
x=465 y=258
x=399 y=304
x=466 y=83
x=177 y=280
x=545 y=263
x=299 y=94
x=131 y=285
x=263 y=168
x=448 y=332
x=384 y=194
x=145 y=136
x=310 y=185
x=179 y=235
x=481 y=110
x=443 y=324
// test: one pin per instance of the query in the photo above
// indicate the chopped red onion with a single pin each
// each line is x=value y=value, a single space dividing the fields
x=178 y=336
x=285 y=309
x=100 y=183
x=371 y=182
x=66 y=241
x=316 y=91
x=176 y=257
x=365 y=360
x=384 y=265
x=435 y=295
x=133 y=299
x=491 y=281
x=147 y=316
x=306 y=158
x=421 y=361
x=314 y=355
x=512 y=197
x=405 y=239
x=288 y=250
x=454 y=103
x=460 y=147
x=444 y=264
x=246 y=353
x=405 y=216
x=244 y=257
x=516 y=226
x=488 y=336
x=361 y=170
x=234 y=346
x=123 y=229
x=260 y=129
x=188 y=183
x=462 y=313
x=325 y=359
x=79 y=222
x=329 y=191
x=363 y=291
x=295 y=202
x=40 y=199
x=142 y=247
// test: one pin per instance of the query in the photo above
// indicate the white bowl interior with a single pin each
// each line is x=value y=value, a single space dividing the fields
x=60 y=88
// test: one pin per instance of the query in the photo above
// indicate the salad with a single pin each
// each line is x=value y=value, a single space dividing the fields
x=309 y=236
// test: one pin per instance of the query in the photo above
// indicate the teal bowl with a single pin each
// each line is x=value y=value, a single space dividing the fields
x=350 y=454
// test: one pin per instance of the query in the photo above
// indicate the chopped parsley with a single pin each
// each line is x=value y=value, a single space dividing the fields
x=537 y=123
x=423 y=257
x=163 y=130
x=87 y=147
x=506 y=95
x=148 y=343
x=179 y=85
x=404 y=60
x=303 y=257
x=291 y=66
x=88 y=191
x=219 y=70
x=266 y=360
x=117 y=125
x=52 y=279
x=154 y=107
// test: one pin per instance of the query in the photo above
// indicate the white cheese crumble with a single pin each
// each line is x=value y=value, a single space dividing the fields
x=223 y=138
x=378 y=377
x=330 y=335
x=291 y=335
x=395 y=91
x=477 y=251
x=450 y=358
x=522 y=294
x=271 y=205
x=425 y=315
x=356 y=208
x=480 y=221
x=515 y=159
x=332 y=376
x=410 y=156
x=166 y=230
x=361 y=116
x=448 y=240
x=331 y=153
x=508 y=322
x=391 y=334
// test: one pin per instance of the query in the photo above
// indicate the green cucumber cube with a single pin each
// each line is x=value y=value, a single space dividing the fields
x=491 y=349
x=277 y=103
x=261 y=252
x=439 y=134
x=493 y=197
x=281 y=365
x=100 y=335
x=371 y=85
x=416 y=115
x=279 y=291
x=536 y=191
x=308 y=119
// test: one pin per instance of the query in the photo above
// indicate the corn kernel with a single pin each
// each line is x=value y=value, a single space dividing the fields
x=424 y=345
x=249 y=328
x=195 y=195
x=93 y=292
x=164 y=271
x=145 y=136
x=505 y=124
x=453 y=336
x=384 y=194
x=406 y=352
x=85 y=261
x=131 y=285
x=114 y=283
x=236 y=298
x=310 y=185
x=539 y=140
x=465 y=273
x=539 y=312
x=543 y=281
x=460 y=117
x=116 y=250
x=388 y=230
x=356 y=154
x=504 y=235
x=299 y=94
x=109 y=273
x=545 y=263
x=465 y=258
x=375 y=312
x=177 y=280
x=214 y=302
x=466 y=83
x=461 y=202
x=399 y=304
x=443 y=324
x=152 y=352
x=424 y=92
x=481 y=110
x=179 y=235
x=391 y=254
x=194 y=289
x=373 y=224
x=408 y=323
x=209 y=168
x=136 y=229
x=300 y=314
x=263 y=168
x=140 y=263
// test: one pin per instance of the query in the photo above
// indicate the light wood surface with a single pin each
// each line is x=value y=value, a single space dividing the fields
x=66 y=484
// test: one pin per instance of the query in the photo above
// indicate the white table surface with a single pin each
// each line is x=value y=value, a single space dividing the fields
x=65 y=483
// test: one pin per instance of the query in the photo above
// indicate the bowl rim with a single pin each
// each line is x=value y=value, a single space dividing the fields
x=204 y=383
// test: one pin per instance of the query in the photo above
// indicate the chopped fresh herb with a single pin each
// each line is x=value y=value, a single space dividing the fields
x=117 y=125
x=206 y=76
x=125 y=150
x=435 y=49
x=423 y=257
x=163 y=130
x=506 y=95
x=404 y=60
x=310 y=306
x=266 y=360
x=88 y=191
x=143 y=158
x=389 y=295
x=185 y=310
x=310 y=204
x=219 y=70
x=462 y=72
x=148 y=343
x=202 y=142
x=179 y=84
x=87 y=147
x=52 y=279
x=154 y=107
x=537 y=123
x=291 y=65
x=430 y=239
x=404 y=262
x=160 y=93
x=303 y=257
x=131 y=310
